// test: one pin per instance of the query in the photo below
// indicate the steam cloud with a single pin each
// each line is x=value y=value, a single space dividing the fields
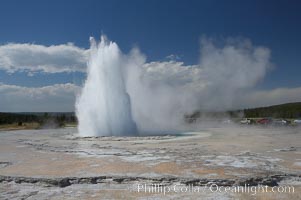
x=162 y=92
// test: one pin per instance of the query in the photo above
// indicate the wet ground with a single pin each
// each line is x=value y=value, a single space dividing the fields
x=58 y=164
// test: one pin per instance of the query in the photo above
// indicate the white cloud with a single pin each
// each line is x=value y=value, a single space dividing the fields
x=39 y=58
x=171 y=72
x=58 y=97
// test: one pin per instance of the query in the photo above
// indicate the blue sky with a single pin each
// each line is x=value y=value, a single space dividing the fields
x=158 y=28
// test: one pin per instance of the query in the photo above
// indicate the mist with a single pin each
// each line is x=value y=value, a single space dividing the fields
x=163 y=92
x=159 y=94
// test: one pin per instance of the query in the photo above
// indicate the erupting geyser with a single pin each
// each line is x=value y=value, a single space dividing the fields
x=164 y=92
x=104 y=107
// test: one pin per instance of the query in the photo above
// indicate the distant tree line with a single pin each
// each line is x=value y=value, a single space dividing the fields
x=289 y=110
x=10 y=118
x=57 y=119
